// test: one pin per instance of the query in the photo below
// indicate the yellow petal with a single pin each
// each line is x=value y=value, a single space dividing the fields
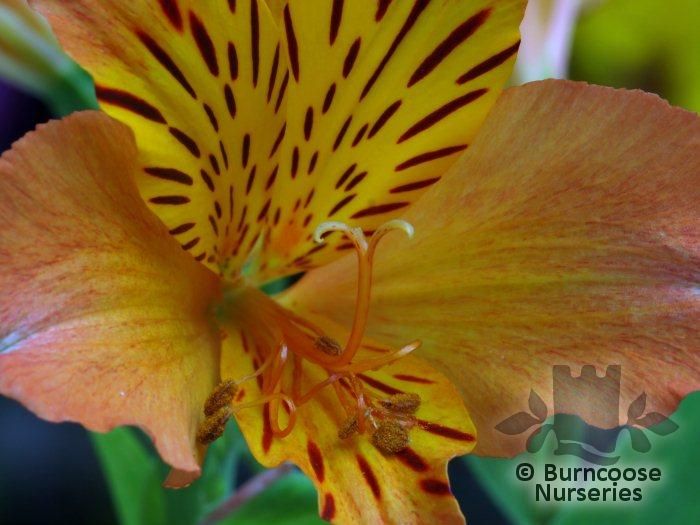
x=568 y=234
x=103 y=317
x=412 y=80
x=383 y=98
x=199 y=83
x=354 y=479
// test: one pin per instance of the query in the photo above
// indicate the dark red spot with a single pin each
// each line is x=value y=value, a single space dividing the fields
x=207 y=180
x=307 y=219
x=414 y=379
x=182 y=228
x=278 y=140
x=166 y=61
x=214 y=164
x=217 y=209
x=170 y=174
x=173 y=200
x=267 y=428
x=312 y=163
x=430 y=155
x=273 y=73
x=382 y=387
x=412 y=460
x=232 y=5
x=447 y=46
x=316 y=460
x=328 y=511
x=346 y=174
x=341 y=133
x=444 y=431
x=230 y=101
x=328 y=100
x=214 y=226
x=224 y=155
x=295 y=161
x=340 y=205
x=172 y=11
x=416 y=11
x=308 y=122
x=369 y=476
x=381 y=208
x=383 y=118
x=126 y=100
x=264 y=210
x=441 y=113
x=187 y=141
x=360 y=135
x=356 y=180
x=255 y=39
x=245 y=150
x=412 y=186
x=278 y=214
x=351 y=57
x=309 y=197
x=232 y=61
x=272 y=177
x=251 y=179
x=382 y=6
x=204 y=44
x=212 y=117
x=191 y=244
x=489 y=64
x=436 y=487
x=240 y=395
x=283 y=89
x=336 y=17
x=200 y=257
x=292 y=45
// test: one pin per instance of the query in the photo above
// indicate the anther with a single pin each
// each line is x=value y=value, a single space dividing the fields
x=328 y=345
x=390 y=437
x=348 y=428
x=213 y=426
x=221 y=396
x=405 y=403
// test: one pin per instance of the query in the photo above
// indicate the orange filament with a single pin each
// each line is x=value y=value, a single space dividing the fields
x=288 y=340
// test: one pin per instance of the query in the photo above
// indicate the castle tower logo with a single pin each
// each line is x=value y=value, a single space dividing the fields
x=581 y=398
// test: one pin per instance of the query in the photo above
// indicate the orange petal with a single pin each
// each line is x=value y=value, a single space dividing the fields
x=353 y=478
x=103 y=317
x=568 y=234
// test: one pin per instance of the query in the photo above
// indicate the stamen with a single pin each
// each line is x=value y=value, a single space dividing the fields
x=213 y=426
x=222 y=396
x=396 y=224
x=405 y=403
x=390 y=437
x=328 y=345
x=348 y=428
x=373 y=364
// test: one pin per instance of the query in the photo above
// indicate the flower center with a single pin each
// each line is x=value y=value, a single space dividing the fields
x=291 y=341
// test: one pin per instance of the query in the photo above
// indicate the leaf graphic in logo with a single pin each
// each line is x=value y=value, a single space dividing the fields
x=516 y=424
x=657 y=423
x=640 y=442
x=536 y=439
x=537 y=406
x=636 y=408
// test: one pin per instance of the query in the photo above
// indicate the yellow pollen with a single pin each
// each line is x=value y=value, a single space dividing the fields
x=221 y=396
x=348 y=428
x=213 y=426
x=328 y=345
x=390 y=437
x=406 y=403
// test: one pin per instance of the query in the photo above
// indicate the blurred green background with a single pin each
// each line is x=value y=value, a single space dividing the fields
x=51 y=474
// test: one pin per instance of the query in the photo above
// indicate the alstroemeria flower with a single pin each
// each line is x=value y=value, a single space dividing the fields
x=566 y=232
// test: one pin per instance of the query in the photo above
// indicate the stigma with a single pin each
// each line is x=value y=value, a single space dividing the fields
x=385 y=421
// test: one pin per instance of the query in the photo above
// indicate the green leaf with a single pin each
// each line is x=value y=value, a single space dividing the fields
x=134 y=477
x=289 y=501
